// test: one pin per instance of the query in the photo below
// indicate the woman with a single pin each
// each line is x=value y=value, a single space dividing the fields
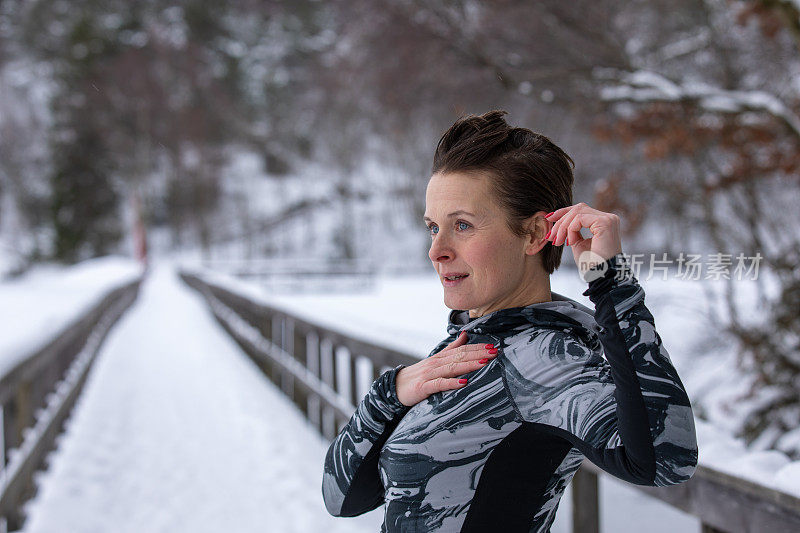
x=486 y=432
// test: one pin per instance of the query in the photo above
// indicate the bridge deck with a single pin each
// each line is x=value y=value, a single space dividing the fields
x=178 y=431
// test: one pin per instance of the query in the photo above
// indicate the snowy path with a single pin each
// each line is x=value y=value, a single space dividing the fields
x=177 y=430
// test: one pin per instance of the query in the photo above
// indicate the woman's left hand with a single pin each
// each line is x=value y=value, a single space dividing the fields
x=604 y=243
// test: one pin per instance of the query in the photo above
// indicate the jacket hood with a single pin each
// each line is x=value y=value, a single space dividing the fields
x=561 y=313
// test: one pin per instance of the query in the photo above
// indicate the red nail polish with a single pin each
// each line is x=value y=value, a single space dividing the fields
x=548 y=214
x=493 y=350
x=483 y=361
x=548 y=234
x=566 y=241
x=462 y=380
x=489 y=346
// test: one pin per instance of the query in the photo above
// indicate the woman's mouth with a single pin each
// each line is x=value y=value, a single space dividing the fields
x=453 y=279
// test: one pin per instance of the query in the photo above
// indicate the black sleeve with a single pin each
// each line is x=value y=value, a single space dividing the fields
x=654 y=442
x=628 y=413
x=351 y=483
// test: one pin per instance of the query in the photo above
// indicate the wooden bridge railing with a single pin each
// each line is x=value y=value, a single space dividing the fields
x=38 y=394
x=306 y=360
x=297 y=275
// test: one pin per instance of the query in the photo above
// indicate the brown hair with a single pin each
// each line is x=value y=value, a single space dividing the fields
x=528 y=172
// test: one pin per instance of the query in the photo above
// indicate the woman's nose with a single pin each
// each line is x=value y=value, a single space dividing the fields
x=440 y=250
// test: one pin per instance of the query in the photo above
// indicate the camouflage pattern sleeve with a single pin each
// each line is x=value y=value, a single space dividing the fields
x=351 y=483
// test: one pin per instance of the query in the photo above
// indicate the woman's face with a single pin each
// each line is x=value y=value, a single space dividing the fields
x=469 y=236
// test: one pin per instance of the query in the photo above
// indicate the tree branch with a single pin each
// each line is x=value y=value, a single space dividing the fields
x=647 y=86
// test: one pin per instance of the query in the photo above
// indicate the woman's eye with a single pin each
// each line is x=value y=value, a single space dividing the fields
x=463 y=224
x=431 y=229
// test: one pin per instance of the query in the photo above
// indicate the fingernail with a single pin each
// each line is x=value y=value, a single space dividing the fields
x=493 y=350
x=566 y=241
x=548 y=234
x=548 y=214
x=483 y=361
x=489 y=346
x=462 y=380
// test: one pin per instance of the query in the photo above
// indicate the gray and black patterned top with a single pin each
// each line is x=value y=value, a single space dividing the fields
x=497 y=454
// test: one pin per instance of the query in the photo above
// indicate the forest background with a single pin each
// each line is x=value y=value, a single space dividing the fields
x=305 y=129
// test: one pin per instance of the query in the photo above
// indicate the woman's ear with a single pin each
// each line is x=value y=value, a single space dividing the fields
x=536 y=227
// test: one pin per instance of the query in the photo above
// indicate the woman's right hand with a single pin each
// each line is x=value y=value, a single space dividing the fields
x=436 y=373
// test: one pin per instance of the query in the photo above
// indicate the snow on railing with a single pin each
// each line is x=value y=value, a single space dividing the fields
x=294 y=274
x=323 y=371
x=315 y=367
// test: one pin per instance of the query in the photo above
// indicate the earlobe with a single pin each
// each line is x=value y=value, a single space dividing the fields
x=534 y=248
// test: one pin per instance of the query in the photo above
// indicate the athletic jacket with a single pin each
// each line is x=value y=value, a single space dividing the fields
x=497 y=454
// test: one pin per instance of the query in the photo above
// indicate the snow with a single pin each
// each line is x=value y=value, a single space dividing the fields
x=786 y=479
x=651 y=79
x=177 y=429
x=646 y=86
x=39 y=305
x=625 y=509
x=407 y=313
x=686 y=45
x=753 y=465
x=770 y=468
x=790 y=440
x=395 y=316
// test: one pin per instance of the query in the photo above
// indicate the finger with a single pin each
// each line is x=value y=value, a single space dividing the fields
x=459 y=341
x=460 y=352
x=558 y=213
x=466 y=354
x=458 y=368
x=558 y=218
x=579 y=221
x=442 y=384
x=559 y=234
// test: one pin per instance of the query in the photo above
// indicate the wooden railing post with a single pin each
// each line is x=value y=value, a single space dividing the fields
x=287 y=345
x=300 y=353
x=339 y=380
x=265 y=326
x=277 y=328
x=327 y=373
x=585 y=504
x=312 y=358
x=264 y=323
x=335 y=379
x=22 y=402
x=3 y=447
x=353 y=363
x=361 y=385
x=9 y=434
